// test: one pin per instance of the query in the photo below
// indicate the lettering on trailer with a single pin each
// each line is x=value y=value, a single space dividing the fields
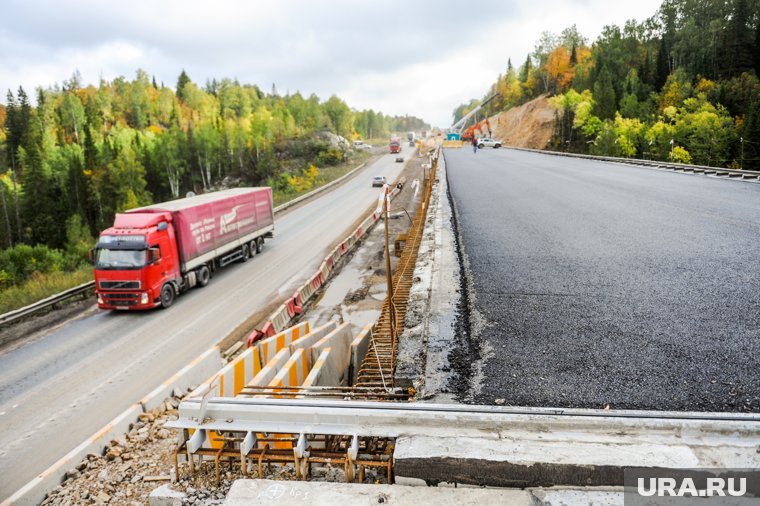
x=228 y=223
x=202 y=230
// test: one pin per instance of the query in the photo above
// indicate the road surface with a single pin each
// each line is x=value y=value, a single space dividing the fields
x=60 y=389
x=602 y=284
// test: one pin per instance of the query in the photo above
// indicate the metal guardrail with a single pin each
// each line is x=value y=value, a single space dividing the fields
x=50 y=302
x=678 y=167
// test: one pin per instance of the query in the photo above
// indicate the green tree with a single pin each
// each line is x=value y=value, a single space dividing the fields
x=604 y=96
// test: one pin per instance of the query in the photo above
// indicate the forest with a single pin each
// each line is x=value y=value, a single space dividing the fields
x=680 y=86
x=82 y=153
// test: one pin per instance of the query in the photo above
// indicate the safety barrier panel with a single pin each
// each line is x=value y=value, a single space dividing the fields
x=270 y=346
x=339 y=340
x=314 y=336
x=280 y=318
x=235 y=375
x=322 y=373
x=358 y=351
x=269 y=371
x=293 y=372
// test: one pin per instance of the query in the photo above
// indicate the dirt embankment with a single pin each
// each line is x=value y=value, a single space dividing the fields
x=529 y=126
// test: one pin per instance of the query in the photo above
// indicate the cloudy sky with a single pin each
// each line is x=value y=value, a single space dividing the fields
x=396 y=56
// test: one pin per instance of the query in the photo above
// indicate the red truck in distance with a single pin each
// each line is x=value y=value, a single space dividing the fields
x=395 y=144
x=154 y=253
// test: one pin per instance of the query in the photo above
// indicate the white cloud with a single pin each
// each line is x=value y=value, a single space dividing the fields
x=398 y=57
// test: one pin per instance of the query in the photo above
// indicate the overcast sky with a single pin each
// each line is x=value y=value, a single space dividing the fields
x=395 y=56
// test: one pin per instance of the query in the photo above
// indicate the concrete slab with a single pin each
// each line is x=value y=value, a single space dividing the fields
x=284 y=493
x=577 y=497
x=429 y=336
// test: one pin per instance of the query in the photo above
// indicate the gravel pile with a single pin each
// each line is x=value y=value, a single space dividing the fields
x=132 y=466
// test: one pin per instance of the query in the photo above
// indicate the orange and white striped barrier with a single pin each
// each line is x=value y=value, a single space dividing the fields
x=314 y=336
x=293 y=372
x=235 y=375
x=323 y=373
x=270 y=346
x=269 y=371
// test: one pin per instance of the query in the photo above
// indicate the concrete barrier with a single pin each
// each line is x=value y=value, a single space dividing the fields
x=339 y=340
x=35 y=491
x=270 y=346
x=280 y=318
x=358 y=350
x=323 y=373
x=194 y=373
x=293 y=372
x=314 y=336
x=269 y=371
x=235 y=375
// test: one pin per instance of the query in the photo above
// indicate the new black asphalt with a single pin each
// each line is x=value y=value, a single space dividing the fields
x=609 y=285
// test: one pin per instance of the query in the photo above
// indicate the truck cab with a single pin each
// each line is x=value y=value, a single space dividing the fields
x=134 y=260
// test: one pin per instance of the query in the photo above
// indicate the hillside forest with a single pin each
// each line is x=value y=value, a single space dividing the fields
x=680 y=86
x=82 y=153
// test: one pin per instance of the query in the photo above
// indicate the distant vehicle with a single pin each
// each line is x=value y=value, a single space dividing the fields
x=361 y=145
x=399 y=159
x=378 y=181
x=395 y=144
x=487 y=142
x=411 y=136
x=154 y=253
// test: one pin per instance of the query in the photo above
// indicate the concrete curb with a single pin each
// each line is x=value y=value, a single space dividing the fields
x=192 y=374
x=35 y=491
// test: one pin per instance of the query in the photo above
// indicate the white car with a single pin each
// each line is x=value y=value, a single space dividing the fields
x=487 y=142
x=361 y=145
x=378 y=181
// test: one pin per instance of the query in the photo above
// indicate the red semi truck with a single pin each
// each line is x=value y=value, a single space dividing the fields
x=395 y=144
x=154 y=253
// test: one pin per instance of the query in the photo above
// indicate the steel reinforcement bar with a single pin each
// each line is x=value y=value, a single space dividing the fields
x=378 y=367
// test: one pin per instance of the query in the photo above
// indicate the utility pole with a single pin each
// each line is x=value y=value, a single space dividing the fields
x=388 y=275
x=741 y=161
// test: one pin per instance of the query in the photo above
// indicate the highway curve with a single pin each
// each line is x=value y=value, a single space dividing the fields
x=60 y=389
x=595 y=284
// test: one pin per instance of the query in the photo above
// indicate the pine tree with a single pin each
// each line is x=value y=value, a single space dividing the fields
x=181 y=83
x=750 y=146
x=573 y=57
x=605 y=103
x=738 y=55
x=662 y=67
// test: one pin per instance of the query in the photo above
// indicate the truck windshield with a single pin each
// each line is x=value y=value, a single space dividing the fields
x=117 y=259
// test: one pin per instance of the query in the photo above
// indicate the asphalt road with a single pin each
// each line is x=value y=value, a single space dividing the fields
x=60 y=389
x=602 y=284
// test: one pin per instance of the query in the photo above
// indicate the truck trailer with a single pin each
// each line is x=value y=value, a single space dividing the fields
x=152 y=254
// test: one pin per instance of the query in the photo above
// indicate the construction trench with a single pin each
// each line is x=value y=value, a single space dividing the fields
x=318 y=403
x=390 y=424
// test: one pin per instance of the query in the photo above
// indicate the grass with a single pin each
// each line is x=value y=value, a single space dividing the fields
x=326 y=175
x=40 y=286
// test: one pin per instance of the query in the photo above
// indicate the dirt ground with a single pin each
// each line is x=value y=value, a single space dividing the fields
x=141 y=461
x=529 y=126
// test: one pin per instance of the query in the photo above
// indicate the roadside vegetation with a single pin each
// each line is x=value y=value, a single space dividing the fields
x=680 y=86
x=82 y=153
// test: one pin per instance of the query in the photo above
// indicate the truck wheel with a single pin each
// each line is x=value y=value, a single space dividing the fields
x=253 y=247
x=259 y=244
x=246 y=253
x=204 y=275
x=167 y=295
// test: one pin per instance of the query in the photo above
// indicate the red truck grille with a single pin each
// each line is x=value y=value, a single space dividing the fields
x=119 y=285
x=120 y=299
